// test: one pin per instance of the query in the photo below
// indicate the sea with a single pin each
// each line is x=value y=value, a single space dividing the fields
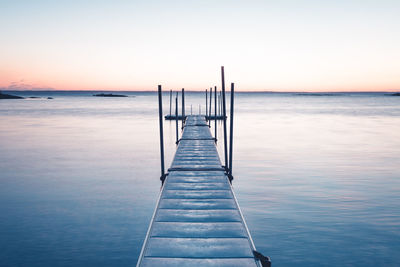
x=317 y=175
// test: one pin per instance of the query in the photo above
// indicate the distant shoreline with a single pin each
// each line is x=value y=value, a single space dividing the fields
x=7 y=96
x=196 y=91
x=109 y=95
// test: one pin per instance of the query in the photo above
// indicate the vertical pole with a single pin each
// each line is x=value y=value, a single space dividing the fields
x=209 y=111
x=231 y=130
x=191 y=109
x=206 y=104
x=183 y=107
x=160 y=117
x=220 y=103
x=224 y=114
x=170 y=102
x=215 y=112
x=176 y=117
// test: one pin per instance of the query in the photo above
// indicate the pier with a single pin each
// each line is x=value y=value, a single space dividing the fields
x=197 y=220
x=180 y=117
x=218 y=109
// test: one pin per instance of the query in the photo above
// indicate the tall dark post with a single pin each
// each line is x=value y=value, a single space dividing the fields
x=215 y=112
x=160 y=117
x=224 y=114
x=206 y=104
x=209 y=111
x=183 y=107
x=231 y=130
x=220 y=103
x=176 y=117
x=170 y=102
x=221 y=106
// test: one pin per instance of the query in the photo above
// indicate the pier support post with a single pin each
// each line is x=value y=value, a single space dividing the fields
x=170 y=102
x=206 y=103
x=220 y=103
x=215 y=113
x=176 y=118
x=160 y=116
x=183 y=107
x=231 y=132
x=224 y=119
x=209 y=110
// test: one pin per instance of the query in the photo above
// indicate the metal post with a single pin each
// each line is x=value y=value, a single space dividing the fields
x=220 y=103
x=170 y=102
x=176 y=117
x=220 y=113
x=224 y=119
x=231 y=131
x=209 y=111
x=160 y=117
x=215 y=112
x=183 y=107
x=206 y=104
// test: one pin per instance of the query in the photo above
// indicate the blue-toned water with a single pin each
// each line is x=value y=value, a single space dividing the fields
x=317 y=177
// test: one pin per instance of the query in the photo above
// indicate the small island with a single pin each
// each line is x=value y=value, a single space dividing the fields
x=7 y=96
x=395 y=94
x=318 y=94
x=110 y=95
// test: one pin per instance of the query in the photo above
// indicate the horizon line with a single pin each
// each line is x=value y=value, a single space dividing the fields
x=196 y=91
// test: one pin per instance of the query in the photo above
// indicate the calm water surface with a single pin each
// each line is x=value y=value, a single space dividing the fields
x=317 y=177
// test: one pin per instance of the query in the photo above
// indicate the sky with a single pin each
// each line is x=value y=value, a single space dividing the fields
x=285 y=45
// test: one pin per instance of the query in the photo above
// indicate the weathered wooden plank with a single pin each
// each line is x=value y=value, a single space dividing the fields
x=197 y=204
x=197 y=215
x=199 y=230
x=198 y=248
x=187 y=262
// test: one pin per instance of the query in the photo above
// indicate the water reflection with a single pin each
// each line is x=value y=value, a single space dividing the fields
x=316 y=177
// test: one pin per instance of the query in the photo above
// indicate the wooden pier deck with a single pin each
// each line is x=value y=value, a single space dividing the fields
x=197 y=220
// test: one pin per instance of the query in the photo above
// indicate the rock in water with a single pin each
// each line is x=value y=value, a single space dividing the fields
x=6 y=96
x=110 y=95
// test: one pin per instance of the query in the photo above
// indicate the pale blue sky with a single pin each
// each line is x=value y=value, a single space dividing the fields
x=264 y=45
